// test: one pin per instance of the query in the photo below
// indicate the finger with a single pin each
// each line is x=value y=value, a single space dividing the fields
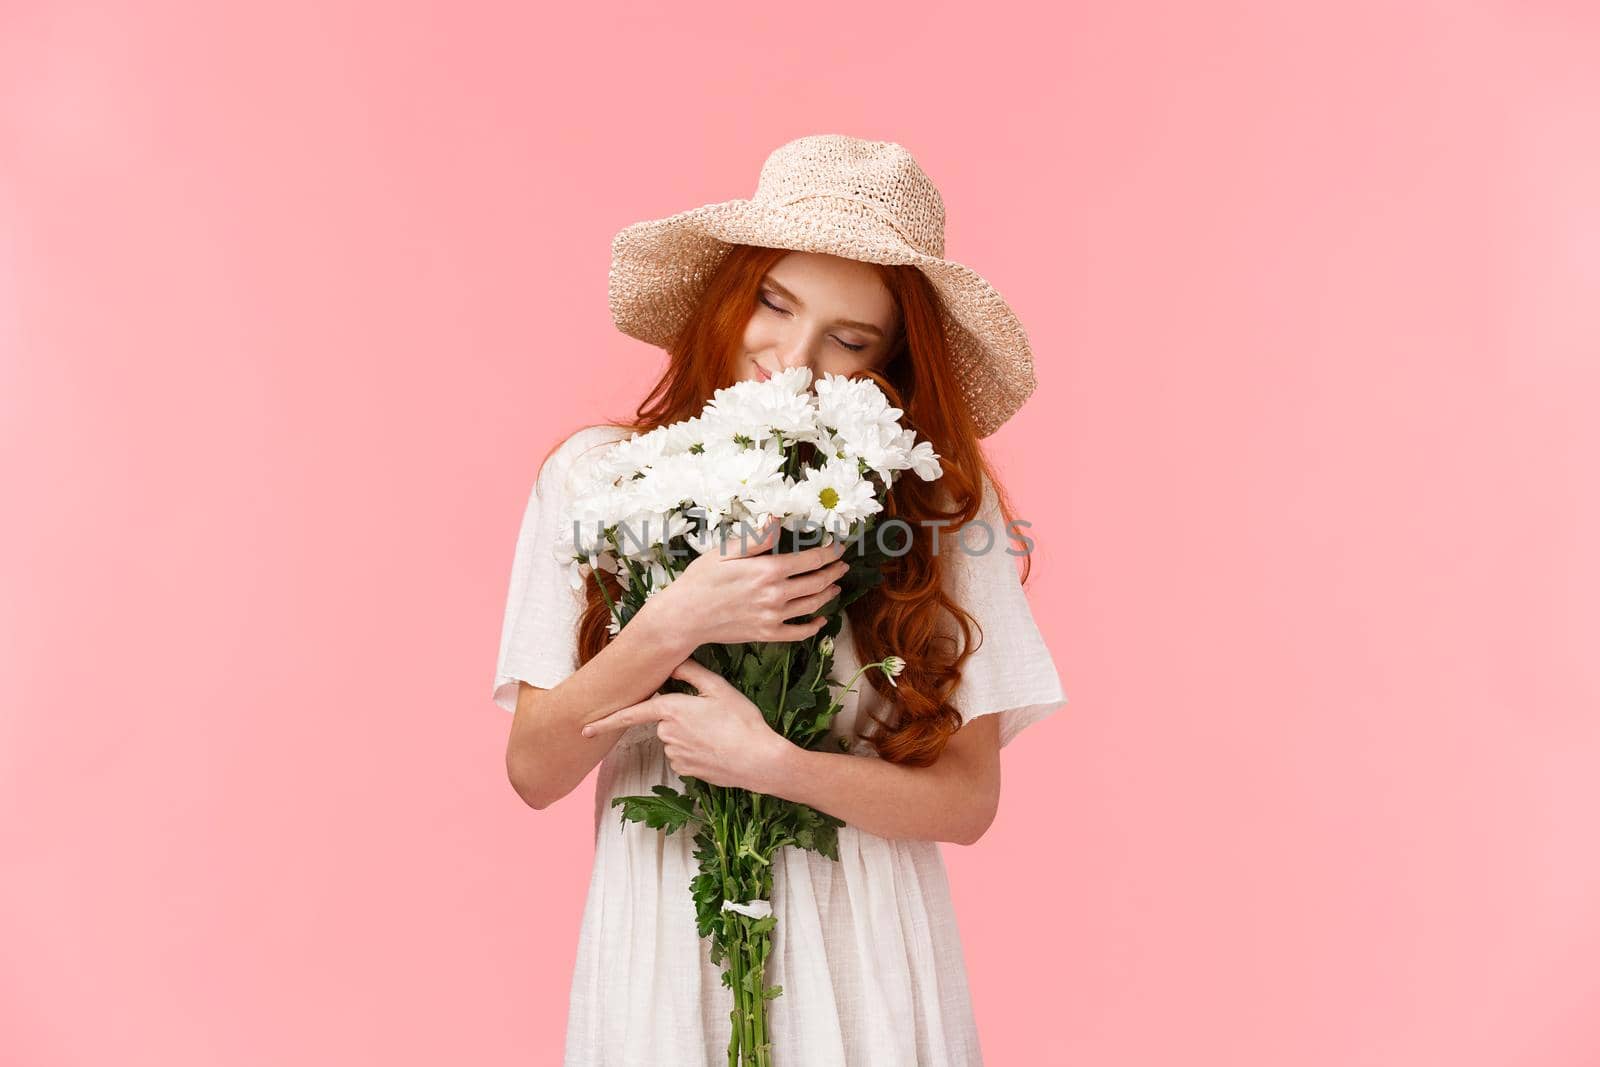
x=698 y=675
x=810 y=559
x=742 y=541
x=645 y=711
x=808 y=604
x=620 y=719
x=799 y=631
x=808 y=582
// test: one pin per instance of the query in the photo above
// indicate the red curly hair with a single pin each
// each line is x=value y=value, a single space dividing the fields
x=904 y=614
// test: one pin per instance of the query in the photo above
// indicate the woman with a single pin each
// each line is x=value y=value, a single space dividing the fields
x=835 y=264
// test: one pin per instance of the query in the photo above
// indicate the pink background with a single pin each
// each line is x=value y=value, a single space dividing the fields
x=294 y=296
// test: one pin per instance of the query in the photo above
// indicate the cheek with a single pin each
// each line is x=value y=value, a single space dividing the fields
x=838 y=361
x=878 y=358
x=758 y=333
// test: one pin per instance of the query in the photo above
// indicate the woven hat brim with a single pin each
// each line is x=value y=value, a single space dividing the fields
x=659 y=268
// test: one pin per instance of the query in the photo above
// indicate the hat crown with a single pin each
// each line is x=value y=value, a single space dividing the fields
x=881 y=175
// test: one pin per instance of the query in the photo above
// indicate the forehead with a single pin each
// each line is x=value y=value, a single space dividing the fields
x=843 y=284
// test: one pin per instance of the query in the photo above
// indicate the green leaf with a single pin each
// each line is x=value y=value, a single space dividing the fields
x=827 y=842
x=766 y=697
x=668 y=810
x=801 y=696
x=749 y=672
x=711 y=656
x=815 y=830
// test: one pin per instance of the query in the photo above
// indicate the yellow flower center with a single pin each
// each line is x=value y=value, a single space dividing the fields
x=829 y=498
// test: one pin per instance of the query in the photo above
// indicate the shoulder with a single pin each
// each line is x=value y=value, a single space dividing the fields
x=988 y=515
x=988 y=495
x=989 y=501
x=982 y=554
x=584 y=442
x=587 y=439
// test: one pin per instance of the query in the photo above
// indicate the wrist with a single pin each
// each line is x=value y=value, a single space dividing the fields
x=663 y=631
x=785 y=769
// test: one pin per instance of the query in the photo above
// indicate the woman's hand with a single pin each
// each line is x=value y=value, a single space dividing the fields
x=716 y=735
x=735 y=593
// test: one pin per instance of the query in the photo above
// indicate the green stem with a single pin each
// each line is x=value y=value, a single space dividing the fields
x=882 y=663
x=633 y=580
x=816 y=655
x=730 y=923
x=752 y=1011
x=713 y=799
x=760 y=1011
x=719 y=834
x=610 y=606
x=783 y=694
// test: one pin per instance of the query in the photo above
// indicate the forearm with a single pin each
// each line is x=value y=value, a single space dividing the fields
x=546 y=756
x=935 y=803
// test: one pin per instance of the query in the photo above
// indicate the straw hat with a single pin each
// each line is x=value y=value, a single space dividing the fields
x=863 y=200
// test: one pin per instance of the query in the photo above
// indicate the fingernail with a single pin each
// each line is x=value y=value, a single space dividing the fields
x=588 y=731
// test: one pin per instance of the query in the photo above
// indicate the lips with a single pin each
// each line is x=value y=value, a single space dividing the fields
x=762 y=371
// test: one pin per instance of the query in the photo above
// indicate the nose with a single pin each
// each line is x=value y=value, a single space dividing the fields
x=793 y=354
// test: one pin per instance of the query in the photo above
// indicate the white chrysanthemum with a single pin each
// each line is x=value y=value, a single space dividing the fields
x=767 y=500
x=833 y=496
x=659 y=577
x=759 y=410
x=856 y=419
x=579 y=568
x=704 y=539
x=641 y=532
x=748 y=470
x=721 y=433
x=842 y=400
x=718 y=480
x=681 y=437
x=580 y=565
x=668 y=484
x=829 y=444
x=622 y=459
x=796 y=380
x=923 y=461
x=878 y=446
x=633 y=519
x=580 y=531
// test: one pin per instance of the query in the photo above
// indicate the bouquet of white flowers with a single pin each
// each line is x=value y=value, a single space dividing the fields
x=821 y=461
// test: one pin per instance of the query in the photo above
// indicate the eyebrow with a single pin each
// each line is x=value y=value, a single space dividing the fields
x=864 y=327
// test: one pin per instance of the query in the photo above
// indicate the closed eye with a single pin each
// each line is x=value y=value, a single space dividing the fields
x=849 y=347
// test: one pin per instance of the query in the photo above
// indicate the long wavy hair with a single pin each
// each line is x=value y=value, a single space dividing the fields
x=909 y=614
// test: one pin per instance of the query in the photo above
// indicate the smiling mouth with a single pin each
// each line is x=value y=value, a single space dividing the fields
x=762 y=371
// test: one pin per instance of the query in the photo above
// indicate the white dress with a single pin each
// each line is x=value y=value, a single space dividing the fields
x=866 y=948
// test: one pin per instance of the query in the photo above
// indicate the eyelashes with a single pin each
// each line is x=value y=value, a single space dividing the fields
x=849 y=347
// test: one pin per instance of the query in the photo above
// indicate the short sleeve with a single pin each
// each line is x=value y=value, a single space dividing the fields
x=1011 y=672
x=539 y=635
